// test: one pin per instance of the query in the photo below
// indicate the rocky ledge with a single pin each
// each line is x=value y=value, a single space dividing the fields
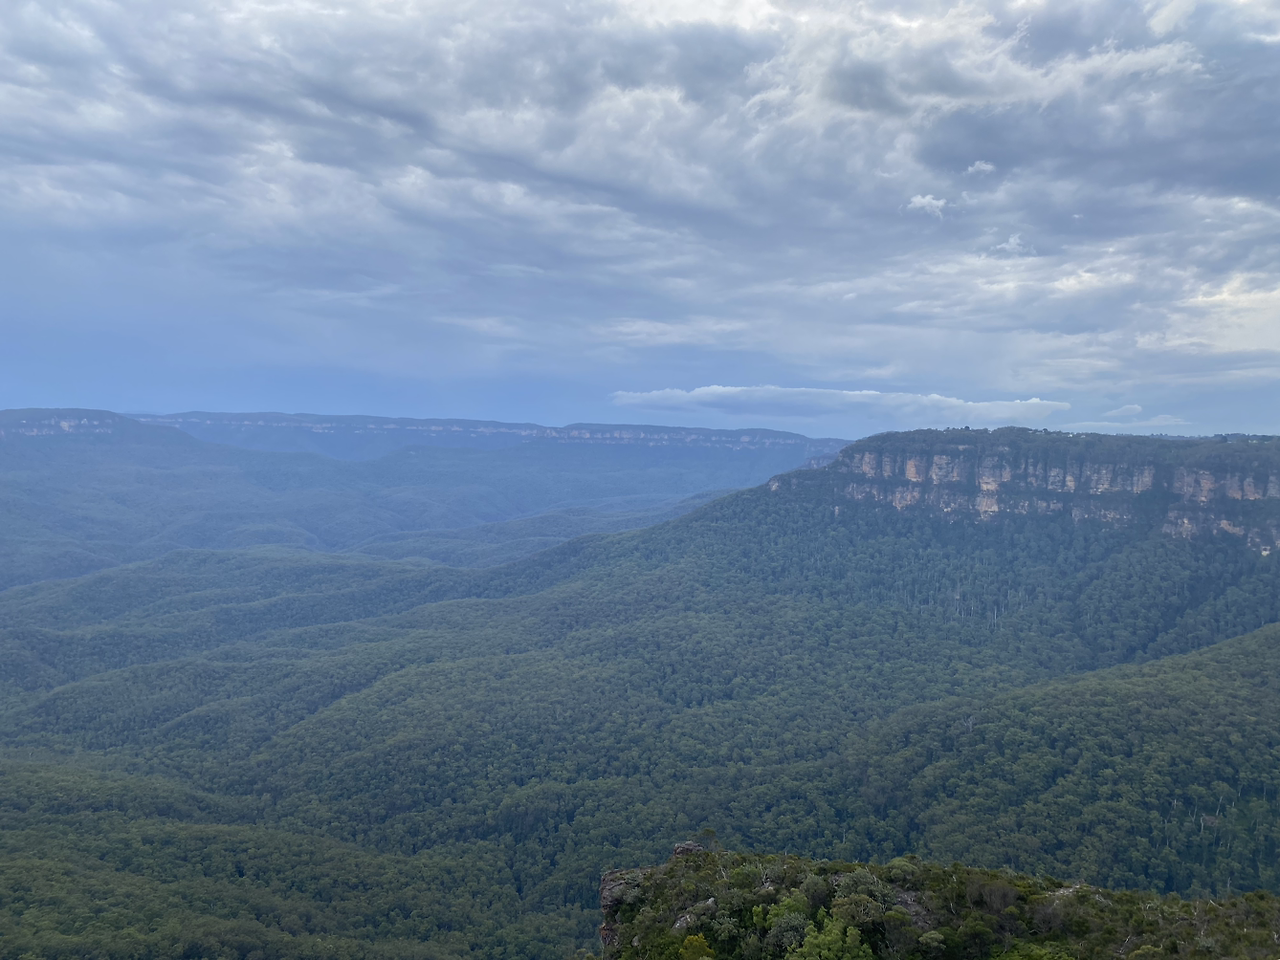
x=1227 y=485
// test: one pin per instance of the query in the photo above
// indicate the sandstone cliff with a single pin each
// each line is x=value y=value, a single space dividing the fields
x=1187 y=487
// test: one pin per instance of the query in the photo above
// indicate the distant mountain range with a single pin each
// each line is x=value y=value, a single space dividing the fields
x=82 y=489
x=363 y=438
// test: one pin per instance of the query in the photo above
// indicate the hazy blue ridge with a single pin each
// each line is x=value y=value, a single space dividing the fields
x=365 y=438
x=82 y=490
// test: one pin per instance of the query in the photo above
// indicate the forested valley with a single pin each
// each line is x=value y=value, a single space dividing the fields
x=1045 y=654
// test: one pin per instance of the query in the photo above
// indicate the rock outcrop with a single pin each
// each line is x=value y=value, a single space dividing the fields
x=618 y=888
x=16 y=424
x=1188 y=487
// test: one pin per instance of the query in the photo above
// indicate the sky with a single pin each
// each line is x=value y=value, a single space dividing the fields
x=835 y=218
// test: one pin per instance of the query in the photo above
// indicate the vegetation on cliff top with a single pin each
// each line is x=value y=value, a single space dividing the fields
x=714 y=905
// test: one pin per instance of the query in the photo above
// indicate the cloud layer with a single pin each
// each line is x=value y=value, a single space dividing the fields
x=806 y=402
x=1075 y=200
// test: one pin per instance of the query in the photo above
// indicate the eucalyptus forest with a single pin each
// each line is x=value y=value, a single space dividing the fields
x=959 y=693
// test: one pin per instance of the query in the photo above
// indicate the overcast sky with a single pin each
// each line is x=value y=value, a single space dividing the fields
x=828 y=217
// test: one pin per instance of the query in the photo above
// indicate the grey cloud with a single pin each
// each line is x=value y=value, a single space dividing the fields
x=617 y=181
x=865 y=85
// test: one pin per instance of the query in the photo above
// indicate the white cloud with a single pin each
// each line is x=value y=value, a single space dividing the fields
x=810 y=401
x=1016 y=247
x=1128 y=410
x=981 y=166
x=928 y=204
x=652 y=333
x=1240 y=315
x=1161 y=424
x=1170 y=15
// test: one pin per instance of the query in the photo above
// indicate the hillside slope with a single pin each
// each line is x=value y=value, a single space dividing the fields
x=1162 y=776
x=1025 y=783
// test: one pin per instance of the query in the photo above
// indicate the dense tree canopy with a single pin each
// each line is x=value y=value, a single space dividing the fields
x=714 y=904
x=293 y=752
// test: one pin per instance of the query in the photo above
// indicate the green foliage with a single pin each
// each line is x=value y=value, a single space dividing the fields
x=833 y=940
x=1162 y=776
x=695 y=948
x=928 y=911
x=105 y=865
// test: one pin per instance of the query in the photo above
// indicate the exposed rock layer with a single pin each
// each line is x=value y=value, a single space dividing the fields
x=1190 y=486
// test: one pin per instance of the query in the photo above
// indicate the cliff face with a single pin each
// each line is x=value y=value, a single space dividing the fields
x=1225 y=485
x=23 y=424
x=58 y=423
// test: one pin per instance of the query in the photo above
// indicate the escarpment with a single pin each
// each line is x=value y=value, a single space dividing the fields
x=1186 y=487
